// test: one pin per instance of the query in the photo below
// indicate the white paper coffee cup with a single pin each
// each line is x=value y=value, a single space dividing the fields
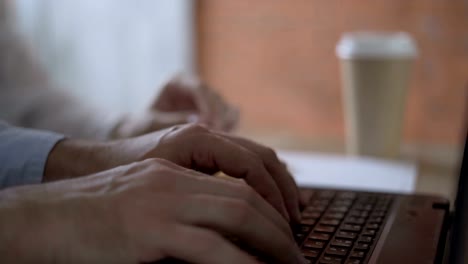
x=375 y=70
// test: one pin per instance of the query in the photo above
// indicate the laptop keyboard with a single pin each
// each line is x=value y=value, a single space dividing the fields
x=337 y=227
x=341 y=227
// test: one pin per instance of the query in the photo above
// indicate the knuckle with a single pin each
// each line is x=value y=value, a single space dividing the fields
x=247 y=193
x=241 y=213
x=204 y=243
x=255 y=161
x=150 y=163
x=270 y=154
x=164 y=179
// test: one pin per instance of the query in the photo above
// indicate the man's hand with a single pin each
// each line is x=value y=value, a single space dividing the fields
x=191 y=146
x=184 y=99
x=142 y=212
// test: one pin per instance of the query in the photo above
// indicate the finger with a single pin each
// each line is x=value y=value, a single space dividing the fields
x=203 y=101
x=215 y=152
x=279 y=172
x=176 y=94
x=202 y=246
x=303 y=200
x=212 y=107
x=238 y=219
x=231 y=119
x=220 y=109
x=198 y=183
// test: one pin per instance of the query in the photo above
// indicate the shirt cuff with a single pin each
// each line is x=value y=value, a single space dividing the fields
x=23 y=155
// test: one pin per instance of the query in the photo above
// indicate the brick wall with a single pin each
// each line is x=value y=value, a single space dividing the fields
x=276 y=60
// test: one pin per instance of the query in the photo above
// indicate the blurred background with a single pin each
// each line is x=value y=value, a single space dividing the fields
x=275 y=60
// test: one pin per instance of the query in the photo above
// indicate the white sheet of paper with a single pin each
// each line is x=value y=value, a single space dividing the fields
x=343 y=172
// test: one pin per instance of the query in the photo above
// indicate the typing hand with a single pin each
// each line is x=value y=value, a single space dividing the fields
x=208 y=151
x=190 y=146
x=142 y=212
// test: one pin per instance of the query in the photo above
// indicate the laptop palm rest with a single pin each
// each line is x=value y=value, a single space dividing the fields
x=416 y=232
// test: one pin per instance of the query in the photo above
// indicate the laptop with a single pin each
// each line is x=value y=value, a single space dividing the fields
x=355 y=227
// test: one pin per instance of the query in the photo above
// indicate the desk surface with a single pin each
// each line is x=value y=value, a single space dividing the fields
x=342 y=172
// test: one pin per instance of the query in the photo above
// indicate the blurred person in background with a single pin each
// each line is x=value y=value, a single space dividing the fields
x=28 y=98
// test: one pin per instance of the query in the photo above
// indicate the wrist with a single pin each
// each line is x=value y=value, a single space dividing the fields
x=73 y=158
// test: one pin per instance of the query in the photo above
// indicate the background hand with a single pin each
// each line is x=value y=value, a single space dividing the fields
x=184 y=99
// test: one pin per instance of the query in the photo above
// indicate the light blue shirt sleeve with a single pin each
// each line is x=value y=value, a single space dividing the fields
x=23 y=154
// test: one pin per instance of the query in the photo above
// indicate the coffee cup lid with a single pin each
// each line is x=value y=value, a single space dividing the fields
x=354 y=45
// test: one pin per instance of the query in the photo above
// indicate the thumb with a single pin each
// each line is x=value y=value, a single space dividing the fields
x=152 y=121
x=168 y=119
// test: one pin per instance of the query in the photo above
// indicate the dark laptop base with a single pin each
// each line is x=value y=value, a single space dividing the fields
x=412 y=229
x=418 y=232
x=364 y=227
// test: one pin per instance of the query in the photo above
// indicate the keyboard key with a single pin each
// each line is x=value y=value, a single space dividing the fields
x=353 y=228
x=330 y=222
x=320 y=202
x=341 y=242
x=319 y=236
x=334 y=216
x=314 y=244
x=365 y=239
x=326 y=194
x=346 y=234
x=362 y=246
x=359 y=213
x=383 y=205
x=363 y=207
x=317 y=208
x=373 y=226
x=311 y=253
x=331 y=260
x=322 y=261
x=378 y=211
x=346 y=203
x=368 y=232
x=355 y=220
x=357 y=254
x=378 y=214
x=309 y=222
x=310 y=215
x=375 y=220
x=324 y=229
x=346 y=195
x=353 y=261
x=339 y=209
x=336 y=251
